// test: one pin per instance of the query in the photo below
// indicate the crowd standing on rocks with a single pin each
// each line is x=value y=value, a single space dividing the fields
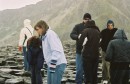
x=60 y=64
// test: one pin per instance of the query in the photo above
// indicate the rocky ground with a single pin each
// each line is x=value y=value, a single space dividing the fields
x=11 y=67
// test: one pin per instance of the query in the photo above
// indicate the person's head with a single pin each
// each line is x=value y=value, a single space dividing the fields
x=41 y=27
x=90 y=23
x=27 y=22
x=110 y=24
x=120 y=34
x=86 y=17
x=34 y=42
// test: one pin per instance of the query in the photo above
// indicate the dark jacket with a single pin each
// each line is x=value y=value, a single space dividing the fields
x=119 y=48
x=35 y=56
x=106 y=36
x=91 y=48
x=75 y=33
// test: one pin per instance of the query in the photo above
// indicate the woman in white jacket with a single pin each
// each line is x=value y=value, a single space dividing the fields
x=25 y=34
x=53 y=53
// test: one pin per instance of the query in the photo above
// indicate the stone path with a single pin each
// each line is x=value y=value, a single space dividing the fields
x=11 y=67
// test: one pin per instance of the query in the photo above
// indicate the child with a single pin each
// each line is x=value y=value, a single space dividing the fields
x=35 y=59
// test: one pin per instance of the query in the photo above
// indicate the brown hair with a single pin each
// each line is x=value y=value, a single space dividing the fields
x=41 y=24
x=34 y=42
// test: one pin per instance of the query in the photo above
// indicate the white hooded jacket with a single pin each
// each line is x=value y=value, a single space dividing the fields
x=27 y=31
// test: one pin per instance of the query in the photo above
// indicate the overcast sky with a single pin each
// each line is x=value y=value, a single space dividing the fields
x=14 y=4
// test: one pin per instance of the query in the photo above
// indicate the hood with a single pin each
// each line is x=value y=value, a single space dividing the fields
x=120 y=34
x=27 y=23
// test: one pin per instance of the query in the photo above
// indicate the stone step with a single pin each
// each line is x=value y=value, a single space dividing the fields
x=11 y=63
x=15 y=81
x=2 y=80
x=2 y=61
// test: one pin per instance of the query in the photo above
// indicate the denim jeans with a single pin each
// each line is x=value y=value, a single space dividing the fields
x=56 y=77
x=26 y=64
x=79 y=69
x=36 y=77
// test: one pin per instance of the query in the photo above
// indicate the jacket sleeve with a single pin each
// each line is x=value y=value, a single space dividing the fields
x=55 y=45
x=100 y=39
x=40 y=60
x=74 y=33
x=109 y=52
x=21 y=38
x=29 y=55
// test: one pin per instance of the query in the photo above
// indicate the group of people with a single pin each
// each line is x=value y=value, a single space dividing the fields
x=47 y=47
x=44 y=47
x=115 y=52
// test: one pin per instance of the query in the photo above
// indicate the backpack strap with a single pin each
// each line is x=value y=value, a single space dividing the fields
x=25 y=37
x=29 y=31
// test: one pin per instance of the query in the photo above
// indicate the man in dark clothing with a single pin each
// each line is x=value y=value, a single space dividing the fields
x=118 y=54
x=106 y=36
x=90 y=51
x=75 y=35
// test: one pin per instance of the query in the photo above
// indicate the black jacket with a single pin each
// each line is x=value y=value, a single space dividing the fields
x=35 y=57
x=106 y=36
x=119 y=48
x=91 y=48
x=75 y=33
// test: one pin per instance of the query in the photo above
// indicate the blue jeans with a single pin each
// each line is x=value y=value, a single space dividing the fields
x=56 y=77
x=36 y=77
x=79 y=69
x=26 y=64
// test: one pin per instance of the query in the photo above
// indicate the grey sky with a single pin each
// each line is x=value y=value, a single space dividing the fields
x=14 y=4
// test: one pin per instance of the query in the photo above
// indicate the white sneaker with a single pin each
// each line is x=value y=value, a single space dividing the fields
x=105 y=82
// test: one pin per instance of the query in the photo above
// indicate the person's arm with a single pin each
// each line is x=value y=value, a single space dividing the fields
x=101 y=36
x=21 y=39
x=74 y=34
x=29 y=54
x=109 y=52
x=55 y=45
x=56 y=50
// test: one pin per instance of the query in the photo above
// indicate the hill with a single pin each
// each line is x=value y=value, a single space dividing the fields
x=62 y=15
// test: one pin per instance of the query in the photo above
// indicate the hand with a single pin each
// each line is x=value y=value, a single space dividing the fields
x=20 y=48
x=52 y=66
x=79 y=36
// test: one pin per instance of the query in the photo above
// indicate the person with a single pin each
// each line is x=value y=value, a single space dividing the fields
x=53 y=53
x=75 y=35
x=25 y=34
x=90 y=51
x=118 y=54
x=106 y=36
x=35 y=59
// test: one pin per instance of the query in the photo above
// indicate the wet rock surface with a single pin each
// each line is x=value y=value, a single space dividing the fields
x=12 y=72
